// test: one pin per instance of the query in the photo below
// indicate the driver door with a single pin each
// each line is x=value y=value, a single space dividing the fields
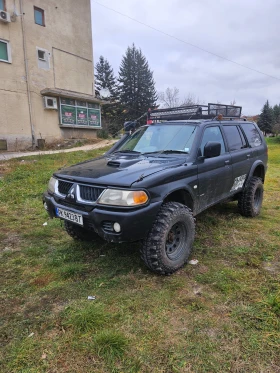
x=214 y=174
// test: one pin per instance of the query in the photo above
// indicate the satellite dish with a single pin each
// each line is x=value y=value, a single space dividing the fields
x=104 y=93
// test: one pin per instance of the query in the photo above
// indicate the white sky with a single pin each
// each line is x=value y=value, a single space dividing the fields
x=245 y=31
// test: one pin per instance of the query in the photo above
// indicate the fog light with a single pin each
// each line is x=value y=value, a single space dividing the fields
x=117 y=227
x=46 y=206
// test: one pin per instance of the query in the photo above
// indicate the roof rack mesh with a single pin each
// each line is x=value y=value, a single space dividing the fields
x=195 y=112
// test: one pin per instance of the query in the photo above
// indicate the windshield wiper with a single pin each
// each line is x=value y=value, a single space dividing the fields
x=126 y=151
x=166 y=152
x=173 y=151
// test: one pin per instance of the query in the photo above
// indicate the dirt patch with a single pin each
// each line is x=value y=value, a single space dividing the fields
x=5 y=168
x=11 y=243
x=43 y=280
x=272 y=267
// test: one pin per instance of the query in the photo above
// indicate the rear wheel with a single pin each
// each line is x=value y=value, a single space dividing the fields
x=168 y=244
x=250 y=200
x=79 y=233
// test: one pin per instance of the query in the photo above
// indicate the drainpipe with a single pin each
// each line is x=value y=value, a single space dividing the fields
x=27 y=74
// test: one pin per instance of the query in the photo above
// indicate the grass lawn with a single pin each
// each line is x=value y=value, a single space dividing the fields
x=222 y=315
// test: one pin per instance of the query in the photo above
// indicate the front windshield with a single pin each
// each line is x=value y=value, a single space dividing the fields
x=160 y=138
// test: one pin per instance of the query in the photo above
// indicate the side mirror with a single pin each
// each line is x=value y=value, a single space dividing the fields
x=212 y=149
x=130 y=126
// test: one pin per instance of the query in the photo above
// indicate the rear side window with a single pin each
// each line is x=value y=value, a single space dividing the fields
x=233 y=138
x=252 y=134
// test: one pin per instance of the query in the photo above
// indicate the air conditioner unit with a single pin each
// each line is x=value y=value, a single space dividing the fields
x=50 y=102
x=5 y=16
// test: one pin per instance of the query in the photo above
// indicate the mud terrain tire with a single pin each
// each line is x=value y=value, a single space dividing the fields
x=250 y=200
x=168 y=244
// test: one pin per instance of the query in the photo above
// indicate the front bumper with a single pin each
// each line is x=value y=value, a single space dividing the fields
x=135 y=223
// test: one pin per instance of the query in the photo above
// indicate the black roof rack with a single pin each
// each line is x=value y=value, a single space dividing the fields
x=209 y=111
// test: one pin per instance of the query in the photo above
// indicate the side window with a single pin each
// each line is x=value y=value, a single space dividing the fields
x=212 y=134
x=252 y=134
x=233 y=138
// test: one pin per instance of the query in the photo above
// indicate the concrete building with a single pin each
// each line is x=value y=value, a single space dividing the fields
x=46 y=72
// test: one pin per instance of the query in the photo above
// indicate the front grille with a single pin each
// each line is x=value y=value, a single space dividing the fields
x=64 y=187
x=88 y=193
x=108 y=226
x=74 y=205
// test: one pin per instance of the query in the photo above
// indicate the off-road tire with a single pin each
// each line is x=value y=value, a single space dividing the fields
x=250 y=200
x=79 y=233
x=176 y=220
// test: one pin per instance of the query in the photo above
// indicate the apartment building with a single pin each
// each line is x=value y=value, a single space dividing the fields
x=46 y=72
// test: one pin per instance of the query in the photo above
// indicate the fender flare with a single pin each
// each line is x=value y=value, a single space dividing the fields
x=252 y=170
x=187 y=189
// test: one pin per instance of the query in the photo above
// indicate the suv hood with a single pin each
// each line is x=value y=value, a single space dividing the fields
x=119 y=169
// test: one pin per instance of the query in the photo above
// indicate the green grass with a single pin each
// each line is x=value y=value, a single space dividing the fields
x=222 y=315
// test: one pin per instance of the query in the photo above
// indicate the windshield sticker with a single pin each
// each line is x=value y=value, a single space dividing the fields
x=238 y=182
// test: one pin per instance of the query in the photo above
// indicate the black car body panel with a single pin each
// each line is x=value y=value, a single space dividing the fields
x=118 y=170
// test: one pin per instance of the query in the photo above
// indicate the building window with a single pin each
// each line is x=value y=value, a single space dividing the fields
x=79 y=113
x=2 y=5
x=41 y=55
x=5 y=51
x=39 y=16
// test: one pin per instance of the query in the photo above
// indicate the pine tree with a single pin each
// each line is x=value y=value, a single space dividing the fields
x=266 y=119
x=104 y=78
x=137 y=87
x=276 y=125
x=276 y=111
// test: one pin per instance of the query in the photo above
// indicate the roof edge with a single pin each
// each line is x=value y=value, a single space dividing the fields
x=71 y=94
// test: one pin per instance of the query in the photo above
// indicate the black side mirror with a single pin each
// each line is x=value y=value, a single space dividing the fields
x=212 y=149
x=130 y=126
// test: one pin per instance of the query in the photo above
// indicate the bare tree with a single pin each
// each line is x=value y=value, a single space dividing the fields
x=169 y=98
x=190 y=100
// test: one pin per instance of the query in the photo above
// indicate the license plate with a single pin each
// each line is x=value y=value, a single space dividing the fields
x=69 y=215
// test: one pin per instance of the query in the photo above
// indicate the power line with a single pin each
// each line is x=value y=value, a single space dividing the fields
x=185 y=42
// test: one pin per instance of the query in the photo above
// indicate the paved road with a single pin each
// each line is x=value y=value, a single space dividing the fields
x=9 y=155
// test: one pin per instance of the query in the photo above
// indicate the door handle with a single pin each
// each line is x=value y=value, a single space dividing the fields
x=248 y=155
x=227 y=162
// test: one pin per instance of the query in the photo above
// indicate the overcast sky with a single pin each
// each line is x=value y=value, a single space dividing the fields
x=247 y=32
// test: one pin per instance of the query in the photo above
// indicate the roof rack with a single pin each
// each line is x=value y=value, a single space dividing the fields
x=209 y=111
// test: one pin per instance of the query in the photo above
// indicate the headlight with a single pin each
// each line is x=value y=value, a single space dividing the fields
x=123 y=197
x=51 y=186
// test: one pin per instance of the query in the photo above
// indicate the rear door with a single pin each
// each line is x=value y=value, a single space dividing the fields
x=241 y=155
x=214 y=174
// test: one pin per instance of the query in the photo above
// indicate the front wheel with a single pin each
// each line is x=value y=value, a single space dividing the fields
x=168 y=243
x=250 y=200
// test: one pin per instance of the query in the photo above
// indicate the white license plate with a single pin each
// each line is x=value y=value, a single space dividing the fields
x=69 y=215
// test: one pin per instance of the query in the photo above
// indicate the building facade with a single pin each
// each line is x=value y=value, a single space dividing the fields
x=46 y=72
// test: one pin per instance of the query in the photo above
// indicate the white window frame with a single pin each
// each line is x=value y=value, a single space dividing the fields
x=47 y=59
x=9 y=51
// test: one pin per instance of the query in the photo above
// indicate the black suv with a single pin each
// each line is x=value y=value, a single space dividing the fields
x=154 y=180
